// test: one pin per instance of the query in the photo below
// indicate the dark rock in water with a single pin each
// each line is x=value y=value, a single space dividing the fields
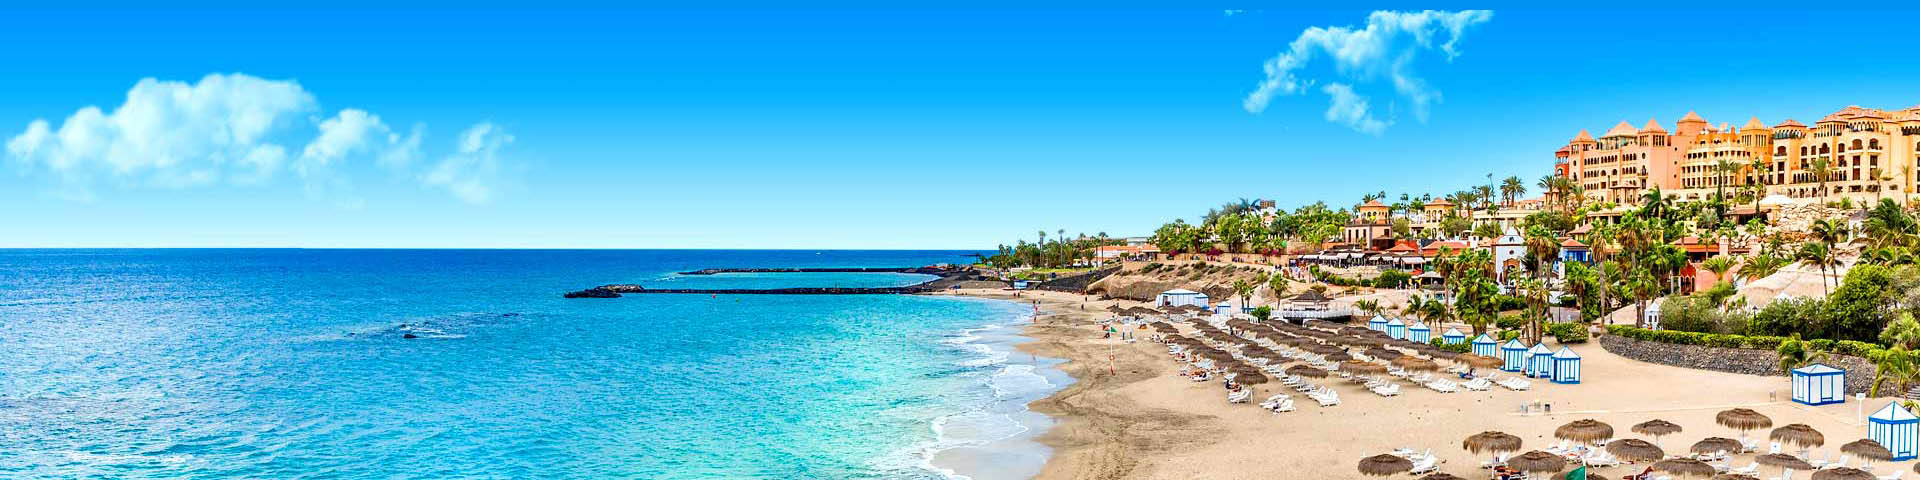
x=409 y=336
x=593 y=293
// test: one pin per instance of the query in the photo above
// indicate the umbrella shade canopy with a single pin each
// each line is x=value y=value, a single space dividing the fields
x=1362 y=367
x=1537 y=461
x=1415 y=364
x=1481 y=361
x=1382 y=353
x=1867 y=449
x=1495 y=442
x=1734 y=476
x=1684 y=467
x=1783 y=461
x=1338 y=357
x=1384 y=465
x=1843 y=473
x=1743 y=419
x=1441 y=476
x=1584 y=430
x=1634 y=449
x=1248 y=376
x=1306 y=371
x=1715 y=444
x=1656 y=427
x=1798 y=434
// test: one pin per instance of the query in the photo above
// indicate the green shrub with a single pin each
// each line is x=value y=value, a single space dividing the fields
x=1509 y=322
x=1764 y=342
x=1854 y=348
x=1462 y=347
x=1821 y=344
x=1568 y=332
x=1509 y=335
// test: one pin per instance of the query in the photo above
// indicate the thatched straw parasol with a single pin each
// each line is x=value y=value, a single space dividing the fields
x=1248 y=375
x=1584 y=430
x=1635 y=450
x=1338 y=357
x=1415 y=364
x=1798 y=434
x=1867 y=449
x=1684 y=467
x=1656 y=428
x=1306 y=371
x=1537 y=462
x=1362 y=368
x=1843 y=473
x=1495 y=442
x=1384 y=465
x=1481 y=361
x=1715 y=444
x=1743 y=420
x=1783 y=461
x=1734 y=476
x=1441 y=476
x=1382 y=353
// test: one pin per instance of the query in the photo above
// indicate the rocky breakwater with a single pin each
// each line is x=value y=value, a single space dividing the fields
x=949 y=276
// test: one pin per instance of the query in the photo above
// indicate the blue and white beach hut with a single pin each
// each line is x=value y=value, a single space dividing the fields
x=1453 y=337
x=1484 y=346
x=1566 y=366
x=1397 y=329
x=1896 y=428
x=1515 y=355
x=1223 y=308
x=1819 y=384
x=1378 y=323
x=1540 y=361
x=1419 y=332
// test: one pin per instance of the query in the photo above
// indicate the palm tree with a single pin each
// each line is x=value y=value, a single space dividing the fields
x=1893 y=366
x=1512 y=188
x=1820 y=169
x=1795 y=353
x=1372 y=307
x=1719 y=265
x=1816 y=254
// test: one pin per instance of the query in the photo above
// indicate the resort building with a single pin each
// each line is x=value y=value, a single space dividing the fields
x=1867 y=153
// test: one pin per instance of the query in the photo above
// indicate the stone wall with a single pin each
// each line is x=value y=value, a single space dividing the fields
x=1747 y=361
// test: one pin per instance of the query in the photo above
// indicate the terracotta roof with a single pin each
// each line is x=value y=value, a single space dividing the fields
x=1571 y=243
x=1441 y=202
x=1692 y=117
x=1790 y=123
x=1404 y=246
x=1374 y=203
x=1583 y=228
x=1754 y=124
x=1623 y=129
x=1653 y=126
x=1852 y=112
x=1583 y=137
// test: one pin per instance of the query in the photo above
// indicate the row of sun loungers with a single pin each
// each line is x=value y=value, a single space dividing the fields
x=1278 y=403
x=1423 y=462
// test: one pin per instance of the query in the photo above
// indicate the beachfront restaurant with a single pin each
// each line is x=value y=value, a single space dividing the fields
x=1419 y=332
x=1566 y=366
x=1181 y=297
x=1896 y=428
x=1819 y=384
x=1397 y=329
x=1453 y=337
x=1514 y=354
x=1484 y=346
x=1540 y=361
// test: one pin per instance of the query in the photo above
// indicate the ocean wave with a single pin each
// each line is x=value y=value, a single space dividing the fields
x=974 y=434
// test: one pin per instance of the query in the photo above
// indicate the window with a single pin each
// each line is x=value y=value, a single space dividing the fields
x=1873 y=144
x=1856 y=144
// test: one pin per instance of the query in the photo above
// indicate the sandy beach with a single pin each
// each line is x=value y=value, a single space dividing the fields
x=1128 y=415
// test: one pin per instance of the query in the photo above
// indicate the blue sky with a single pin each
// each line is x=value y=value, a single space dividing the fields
x=831 y=128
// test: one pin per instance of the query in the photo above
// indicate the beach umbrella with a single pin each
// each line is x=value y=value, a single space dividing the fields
x=1715 y=444
x=1868 y=450
x=1843 y=473
x=1338 y=357
x=1384 y=465
x=1537 y=462
x=1415 y=364
x=1306 y=371
x=1362 y=368
x=1441 y=476
x=1783 y=461
x=1584 y=430
x=1635 y=450
x=1656 y=428
x=1491 y=442
x=1734 y=476
x=1684 y=467
x=1481 y=361
x=1743 y=420
x=1383 y=354
x=1798 y=434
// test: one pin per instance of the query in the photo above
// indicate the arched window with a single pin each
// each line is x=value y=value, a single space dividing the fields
x=1803 y=150
x=1824 y=149
x=1856 y=144
x=1873 y=144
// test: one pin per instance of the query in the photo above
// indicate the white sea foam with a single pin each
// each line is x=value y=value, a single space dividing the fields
x=994 y=437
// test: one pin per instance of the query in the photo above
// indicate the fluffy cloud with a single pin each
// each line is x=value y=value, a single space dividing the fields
x=473 y=172
x=1386 y=48
x=233 y=129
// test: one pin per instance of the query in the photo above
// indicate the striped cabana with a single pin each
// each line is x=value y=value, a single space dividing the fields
x=1540 y=361
x=1566 y=366
x=1378 y=323
x=1453 y=337
x=1397 y=329
x=1514 y=354
x=1485 y=346
x=1896 y=428
x=1419 y=332
x=1819 y=384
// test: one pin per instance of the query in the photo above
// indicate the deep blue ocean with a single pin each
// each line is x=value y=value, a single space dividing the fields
x=294 y=364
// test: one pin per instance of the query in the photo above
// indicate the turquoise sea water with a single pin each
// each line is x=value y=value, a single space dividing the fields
x=294 y=364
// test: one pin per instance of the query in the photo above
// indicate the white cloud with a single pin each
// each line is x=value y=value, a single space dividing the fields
x=1387 y=47
x=1350 y=109
x=472 y=173
x=235 y=128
